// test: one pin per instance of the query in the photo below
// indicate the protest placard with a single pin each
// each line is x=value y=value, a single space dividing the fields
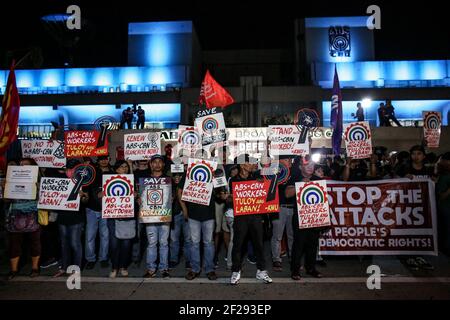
x=156 y=200
x=54 y=194
x=83 y=143
x=198 y=186
x=250 y=197
x=285 y=140
x=358 y=140
x=432 y=128
x=118 y=196
x=386 y=217
x=211 y=127
x=141 y=146
x=46 y=153
x=21 y=182
x=312 y=204
x=189 y=141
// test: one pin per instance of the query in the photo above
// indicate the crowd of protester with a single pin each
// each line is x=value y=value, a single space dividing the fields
x=200 y=233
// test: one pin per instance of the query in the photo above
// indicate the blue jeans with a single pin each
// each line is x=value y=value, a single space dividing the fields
x=119 y=249
x=158 y=233
x=198 y=228
x=94 y=223
x=180 y=226
x=71 y=249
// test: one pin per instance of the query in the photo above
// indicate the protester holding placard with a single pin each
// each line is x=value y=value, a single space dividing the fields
x=306 y=241
x=121 y=233
x=245 y=225
x=22 y=222
x=94 y=221
x=70 y=227
x=157 y=233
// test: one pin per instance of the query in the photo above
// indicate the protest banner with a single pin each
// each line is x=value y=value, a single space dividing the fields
x=118 y=196
x=250 y=197
x=285 y=140
x=21 y=182
x=141 y=146
x=189 y=141
x=312 y=204
x=198 y=186
x=386 y=217
x=358 y=140
x=54 y=194
x=432 y=128
x=211 y=126
x=46 y=153
x=156 y=200
x=251 y=141
x=83 y=143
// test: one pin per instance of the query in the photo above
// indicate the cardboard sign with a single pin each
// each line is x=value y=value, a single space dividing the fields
x=358 y=140
x=24 y=174
x=432 y=128
x=156 y=200
x=189 y=141
x=141 y=146
x=46 y=153
x=84 y=144
x=220 y=182
x=285 y=140
x=250 y=197
x=54 y=194
x=312 y=204
x=198 y=186
x=212 y=129
x=177 y=168
x=118 y=196
x=386 y=217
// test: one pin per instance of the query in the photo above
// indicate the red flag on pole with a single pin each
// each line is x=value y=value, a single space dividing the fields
x=9 y=119
x=213 y=94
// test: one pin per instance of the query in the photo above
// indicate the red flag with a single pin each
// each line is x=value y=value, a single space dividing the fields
x=9 y=119
x=213 y=94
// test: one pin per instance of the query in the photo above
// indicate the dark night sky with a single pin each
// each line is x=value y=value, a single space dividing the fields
x=409 y=31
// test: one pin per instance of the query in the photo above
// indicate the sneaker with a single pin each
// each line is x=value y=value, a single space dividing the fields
x=411 y=263
x=423 y=264
x=235 y=277
x=34 y=273
x=251 y=260
x=113 y=274
x=264 y=276
x=296 y=277
x=165 y=274
x=150 y=274
x=212 y=275
x=314 y=273
x=12 y=275
x=124 y=272
x=90 y=265
x=49 y=263
x=59 y=273
x=104 y=264
x=191 y=275
x=277 y=266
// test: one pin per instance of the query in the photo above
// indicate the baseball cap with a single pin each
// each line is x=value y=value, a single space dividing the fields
x=156 y=156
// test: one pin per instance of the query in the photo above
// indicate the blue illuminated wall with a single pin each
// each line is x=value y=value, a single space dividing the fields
x=169 y=113
x=404 y=110
x=317 y=40
x=367 y=74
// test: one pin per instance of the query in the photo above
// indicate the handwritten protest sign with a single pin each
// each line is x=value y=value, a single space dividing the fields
x=386 y=217
x=84 y=144
x=141 y=146
x=156 y=200
x=250 y=197
x=432 y=128
x=312 y=204
x=118 y=196
x=285 y=140
x=54 y=194
x=198 y=186
x=46 y=153
x=358 y=140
